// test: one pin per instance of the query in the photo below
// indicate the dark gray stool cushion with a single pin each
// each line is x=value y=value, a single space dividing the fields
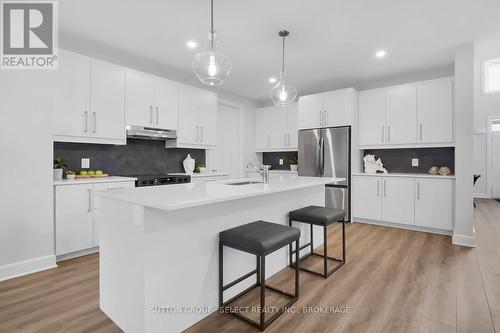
x=259 y=237
x=317 y=215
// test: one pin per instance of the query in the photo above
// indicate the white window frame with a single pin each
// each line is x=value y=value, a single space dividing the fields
x=485 y=80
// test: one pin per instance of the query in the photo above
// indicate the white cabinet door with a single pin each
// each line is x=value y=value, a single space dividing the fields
x=292 y=127
x=434 y=203
x=73 y=216
x=166 y=105
x=366 y=197
x=208 y=118
x=435 y=111
x=189 y=132
x=372 y=117
x=139 y=99
x=401 y=115
x=72 y=100
x=277 y=128
x=398 y=202
x=262 y=128
x=311 y=111
x=338 y=107
x=107 y=119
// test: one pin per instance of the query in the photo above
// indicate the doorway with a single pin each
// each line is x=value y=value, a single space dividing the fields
x=227 y=157
x=495 y=158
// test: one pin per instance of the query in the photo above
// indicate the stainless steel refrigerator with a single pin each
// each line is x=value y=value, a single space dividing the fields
x=326 y=152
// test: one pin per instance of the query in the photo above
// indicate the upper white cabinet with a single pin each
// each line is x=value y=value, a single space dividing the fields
x=330 y=109
x=276 y=128
x=89 y=104
x=372 y=117
x=197 y=119
x=401 y=114
x=412 y=114
x=150 y=101
x=435 y=111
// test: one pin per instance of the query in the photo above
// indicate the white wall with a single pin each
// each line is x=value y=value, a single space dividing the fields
x=463 y=231
x=484 y=106
x=26 y=195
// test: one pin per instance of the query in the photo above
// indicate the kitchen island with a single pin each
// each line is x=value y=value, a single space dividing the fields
x=159 y=246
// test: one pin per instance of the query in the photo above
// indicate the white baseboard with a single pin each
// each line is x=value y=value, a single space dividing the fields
x=403 y=226
x=21 y=268
x=77 y=254
x=464 y=240
x=482 y=196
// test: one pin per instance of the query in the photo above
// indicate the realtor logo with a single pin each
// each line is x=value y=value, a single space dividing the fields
x=29 y=34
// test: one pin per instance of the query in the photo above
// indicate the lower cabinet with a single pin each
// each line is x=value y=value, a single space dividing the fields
x=424 y=202
x=77 y=215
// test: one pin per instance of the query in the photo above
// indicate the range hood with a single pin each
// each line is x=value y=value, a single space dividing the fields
x=148 y=133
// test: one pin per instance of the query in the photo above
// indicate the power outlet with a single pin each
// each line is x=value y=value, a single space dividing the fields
x=85 y=163
x=414 y=162
x=281 y=161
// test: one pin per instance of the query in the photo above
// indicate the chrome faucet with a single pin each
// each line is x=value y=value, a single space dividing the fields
x=263 y=171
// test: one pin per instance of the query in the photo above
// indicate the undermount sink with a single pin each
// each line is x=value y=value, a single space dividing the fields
x=248 y=182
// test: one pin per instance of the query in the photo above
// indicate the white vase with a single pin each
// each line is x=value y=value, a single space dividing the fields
x=294 y=167
x=58 y=174
x=188 y=164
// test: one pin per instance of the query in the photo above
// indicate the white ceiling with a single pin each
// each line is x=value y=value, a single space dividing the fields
x=332 y=42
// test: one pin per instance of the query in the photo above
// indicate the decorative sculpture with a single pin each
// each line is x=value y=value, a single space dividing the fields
x=372 y=165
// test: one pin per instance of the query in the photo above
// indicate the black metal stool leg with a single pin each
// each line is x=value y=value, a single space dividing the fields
x=343 y=241
x=221 y=282
x=297 y=269
x=290 y=250
x=312 y=243
x=258 y=271
x=325 y=252
x=262 y=292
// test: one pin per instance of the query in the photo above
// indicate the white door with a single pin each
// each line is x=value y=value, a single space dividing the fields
x=73 y=216
x=434 y=203
x=435 y=111
x=208 y=118
x=292 y=126
x=189 y=132
x=495 y=164
x=166 y=105
x=227 y=156
x=139 y=99
x=398 y=201
x=72 y=100
x=401 y=115
x=262 y=128
x=338 y=108
x=108 y=101
x=366 y=197
x=372 y=117
x=311 y=111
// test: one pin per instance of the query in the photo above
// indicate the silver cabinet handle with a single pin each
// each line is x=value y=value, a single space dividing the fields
x=378 y=188
x=151 y=114
x=388 y=133
x=289 y=139
x=284 y=140
x=385 y=191
x=383 y=130
x=268 y=141
x=201 y=133
x=90 y=201
x=326 y=118
x=197 y=133
x=420 y=130
x=321 y=118
x=157 y=116
x=86 y=115
x=418 y=190
x=95 y=122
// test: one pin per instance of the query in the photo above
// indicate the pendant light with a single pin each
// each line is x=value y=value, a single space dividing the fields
x=211 y=67
x=283 y=94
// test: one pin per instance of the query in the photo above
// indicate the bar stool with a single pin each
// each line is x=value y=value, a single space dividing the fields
x=321 y=216
x=259 y=238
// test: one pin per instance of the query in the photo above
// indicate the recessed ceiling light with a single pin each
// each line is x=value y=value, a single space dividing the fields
x=191 y=44
x=272 y=80
x=380 y=53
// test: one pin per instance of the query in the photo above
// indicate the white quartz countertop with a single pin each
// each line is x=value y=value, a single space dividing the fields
x=416 y=175
x=179 y=196
x=110 y=179
x=201 y=175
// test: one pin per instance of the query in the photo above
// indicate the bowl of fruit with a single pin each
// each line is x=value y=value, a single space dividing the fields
x=91 y=174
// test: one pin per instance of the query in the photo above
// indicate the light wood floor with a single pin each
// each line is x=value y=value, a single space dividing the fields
x=394 y=281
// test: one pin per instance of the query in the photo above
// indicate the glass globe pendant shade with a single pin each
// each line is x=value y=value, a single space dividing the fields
x=211 y=67
x=283 y=94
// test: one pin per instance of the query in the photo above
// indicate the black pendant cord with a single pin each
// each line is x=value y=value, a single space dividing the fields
x=283 y=56
x=212 y=23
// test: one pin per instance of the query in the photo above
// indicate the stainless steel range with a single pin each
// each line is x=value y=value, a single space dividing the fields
x=160 y=179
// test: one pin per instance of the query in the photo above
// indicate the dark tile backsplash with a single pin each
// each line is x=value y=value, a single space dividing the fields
x=137 y=157
x=274 y=158
x=399 y=160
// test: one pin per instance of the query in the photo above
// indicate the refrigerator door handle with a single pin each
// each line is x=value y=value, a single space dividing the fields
x=321 y=156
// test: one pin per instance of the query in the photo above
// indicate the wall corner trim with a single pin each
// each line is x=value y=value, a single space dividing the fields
x=25 y=267
x=464 y=240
